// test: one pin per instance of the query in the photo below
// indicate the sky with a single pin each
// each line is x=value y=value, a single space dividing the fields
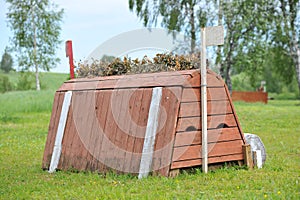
x=88 y=23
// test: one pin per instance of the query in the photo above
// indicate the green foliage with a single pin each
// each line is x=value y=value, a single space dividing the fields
x=36 y=32
x=6 y=62
x=5 y=84
x=186 y=16
x=25 y=81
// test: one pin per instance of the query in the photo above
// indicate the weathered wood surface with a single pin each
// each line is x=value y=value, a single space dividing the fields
x=251 y=97
x=56 y=110
x=107 y=121
x=100 y=136
x=167 y=79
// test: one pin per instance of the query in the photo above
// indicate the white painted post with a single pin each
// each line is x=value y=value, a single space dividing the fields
x=60 y=132
x=204 y=102
x=210 y=36
x=149 y=141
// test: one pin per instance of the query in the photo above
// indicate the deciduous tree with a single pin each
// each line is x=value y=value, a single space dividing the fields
x=36 y=26
x=6 y=62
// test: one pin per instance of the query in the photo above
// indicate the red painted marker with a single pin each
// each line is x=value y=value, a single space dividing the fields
x=69 y=53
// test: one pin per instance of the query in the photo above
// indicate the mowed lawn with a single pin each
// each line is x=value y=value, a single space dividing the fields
x=24 y=119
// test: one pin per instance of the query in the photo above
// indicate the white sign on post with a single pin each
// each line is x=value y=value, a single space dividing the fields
x=214 y=35
x=210 y=36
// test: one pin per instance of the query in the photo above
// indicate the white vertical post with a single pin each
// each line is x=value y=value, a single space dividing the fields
x=204 y=103
x=149 y=141
x=60 y=132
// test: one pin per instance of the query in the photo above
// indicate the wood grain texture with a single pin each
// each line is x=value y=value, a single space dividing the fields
x=250 y=96
x=212 y=121
x=198 y=162
x=167 y=123
x=53 y=125
x=190 y=78
x=214 y=149
x=214 y=135
x=193 y=109
x=213 y=94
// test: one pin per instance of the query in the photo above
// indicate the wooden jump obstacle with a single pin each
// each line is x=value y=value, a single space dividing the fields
x=140 y=124
x=251 y=97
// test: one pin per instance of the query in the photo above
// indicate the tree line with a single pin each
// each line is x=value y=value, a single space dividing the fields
x=259 y=33
x=261 y=36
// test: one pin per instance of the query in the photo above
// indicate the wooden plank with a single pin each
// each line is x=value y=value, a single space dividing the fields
x=192 y=109
x=139 y=134
x=150 y=135
x=248 y=156
x=214 y=149
x=211 y=160
x=92 y=131
x=126 y=82
x=60 y=132
x=143 y=75
x=135 y=104
x=126 y=125
x=213 y=122
x=213 y=94
x=76 y=152
x=214 y=135
x=102 y=112
x=165 y=137
x=189 y=78
x=120 y=102
x=107 y=149
x=248 y=96
x=97 y=131
x=69 y=148
x=51 y=131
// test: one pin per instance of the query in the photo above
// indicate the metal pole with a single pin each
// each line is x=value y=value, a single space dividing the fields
x=204 y=103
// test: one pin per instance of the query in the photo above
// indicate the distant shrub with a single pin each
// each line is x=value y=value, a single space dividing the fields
x=5 y=84
x=25 y=81
x=6 y=63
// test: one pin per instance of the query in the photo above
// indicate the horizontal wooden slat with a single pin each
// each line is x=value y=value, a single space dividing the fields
x=211 y=160
x=212 y=122
x=213 y=93
x=187 y=79
x=143 y=75
x=250 y=96
x=215 y=135
x=192 y=109
x=214 y=149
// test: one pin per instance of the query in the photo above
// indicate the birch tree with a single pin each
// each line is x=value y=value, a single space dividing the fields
x=36 y=26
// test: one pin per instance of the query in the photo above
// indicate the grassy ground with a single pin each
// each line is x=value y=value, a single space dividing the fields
x=24 y=119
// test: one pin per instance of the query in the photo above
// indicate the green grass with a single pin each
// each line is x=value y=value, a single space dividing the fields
x=24 y=119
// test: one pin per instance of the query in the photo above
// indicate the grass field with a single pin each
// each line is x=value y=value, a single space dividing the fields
x=24 y=119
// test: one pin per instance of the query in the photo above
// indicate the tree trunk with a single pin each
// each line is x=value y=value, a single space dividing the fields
x=193 y=31
x=228 y=80
x=37 y=80
x=297 y=65
x=220 y=17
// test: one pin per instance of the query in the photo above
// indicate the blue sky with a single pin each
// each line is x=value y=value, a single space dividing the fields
x=88 y=23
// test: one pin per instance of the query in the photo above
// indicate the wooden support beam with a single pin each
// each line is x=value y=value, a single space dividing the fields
x=248 y=155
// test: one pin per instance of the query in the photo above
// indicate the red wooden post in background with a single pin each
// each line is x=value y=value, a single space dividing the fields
x=69 y=53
